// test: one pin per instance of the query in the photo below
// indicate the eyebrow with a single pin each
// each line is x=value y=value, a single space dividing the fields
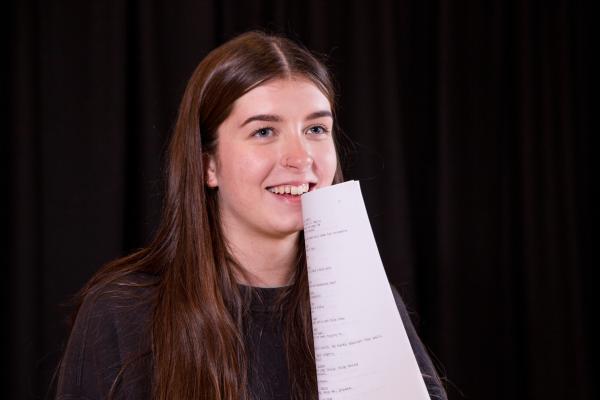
x=277 y=118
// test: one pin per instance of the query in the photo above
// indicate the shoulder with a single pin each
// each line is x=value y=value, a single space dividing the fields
x=407 y=322
x=132 y=291
x=111 y=330
x=118 y=305
x=430 y=375
x=404 y=314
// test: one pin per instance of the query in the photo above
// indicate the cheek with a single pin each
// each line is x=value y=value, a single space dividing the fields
x=327 y=162
x=248 y=167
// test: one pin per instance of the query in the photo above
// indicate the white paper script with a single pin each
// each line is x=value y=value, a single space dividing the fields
x=361 y=347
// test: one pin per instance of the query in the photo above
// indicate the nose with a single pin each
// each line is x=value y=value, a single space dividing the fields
x=297 y=154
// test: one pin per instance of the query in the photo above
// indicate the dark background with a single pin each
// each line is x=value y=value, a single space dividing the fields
x=472 y=128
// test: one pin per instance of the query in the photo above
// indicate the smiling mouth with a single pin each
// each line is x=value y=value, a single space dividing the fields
x=293 y=190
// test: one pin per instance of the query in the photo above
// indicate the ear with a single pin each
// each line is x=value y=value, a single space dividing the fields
x=210 y=171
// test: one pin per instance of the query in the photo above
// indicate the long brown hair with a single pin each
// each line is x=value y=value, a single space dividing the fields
x=197 y=337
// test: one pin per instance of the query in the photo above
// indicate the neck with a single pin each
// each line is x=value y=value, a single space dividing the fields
x=266 y=261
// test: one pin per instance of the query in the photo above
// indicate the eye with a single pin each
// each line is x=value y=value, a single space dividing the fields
x=318 y=130
x=263 y=132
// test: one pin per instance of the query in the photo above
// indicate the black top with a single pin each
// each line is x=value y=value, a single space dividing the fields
x=112 y=328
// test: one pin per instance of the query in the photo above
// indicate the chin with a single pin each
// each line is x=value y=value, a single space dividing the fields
x=290 y=229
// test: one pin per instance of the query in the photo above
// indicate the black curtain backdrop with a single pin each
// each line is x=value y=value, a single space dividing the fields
x=472 y=129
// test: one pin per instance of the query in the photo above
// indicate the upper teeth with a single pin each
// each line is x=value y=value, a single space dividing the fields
x=289 y=189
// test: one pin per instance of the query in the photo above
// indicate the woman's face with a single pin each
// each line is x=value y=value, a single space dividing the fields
x=276 y=143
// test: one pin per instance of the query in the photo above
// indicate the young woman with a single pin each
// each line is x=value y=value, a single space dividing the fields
x=217 y=306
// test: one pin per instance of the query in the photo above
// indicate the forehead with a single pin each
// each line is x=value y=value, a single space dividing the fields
x=285 y=97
